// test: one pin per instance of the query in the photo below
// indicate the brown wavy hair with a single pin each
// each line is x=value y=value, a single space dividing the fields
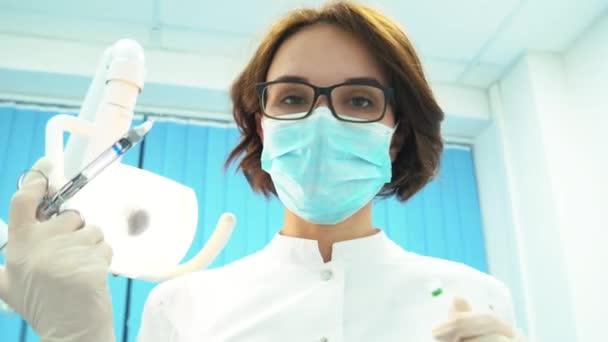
x=418 y=138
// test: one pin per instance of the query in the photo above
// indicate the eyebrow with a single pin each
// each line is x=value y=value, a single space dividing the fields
x=372 y=80
x=293 y=78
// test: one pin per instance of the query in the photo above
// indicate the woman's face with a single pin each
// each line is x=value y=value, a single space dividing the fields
x=324 y=55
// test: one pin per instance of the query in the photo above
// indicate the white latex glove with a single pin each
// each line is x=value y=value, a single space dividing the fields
x=463 y=325
x=56 y=271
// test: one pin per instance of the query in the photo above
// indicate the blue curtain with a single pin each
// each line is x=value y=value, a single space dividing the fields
x=21 y=142
x=442 y=220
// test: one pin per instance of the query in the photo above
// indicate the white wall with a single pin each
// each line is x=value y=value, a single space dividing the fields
x=550 y=118
x=584 y=200
x=503 y=255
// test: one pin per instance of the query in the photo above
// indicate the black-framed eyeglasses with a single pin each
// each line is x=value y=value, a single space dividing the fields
x=358 y=101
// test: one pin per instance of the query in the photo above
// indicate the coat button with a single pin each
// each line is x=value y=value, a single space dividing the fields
x=326 y=275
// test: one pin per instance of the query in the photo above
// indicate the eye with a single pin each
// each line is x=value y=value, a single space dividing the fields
x=293 y=100
x=361 y=102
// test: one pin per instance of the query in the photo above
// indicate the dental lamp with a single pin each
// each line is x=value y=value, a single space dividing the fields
x=148 y=220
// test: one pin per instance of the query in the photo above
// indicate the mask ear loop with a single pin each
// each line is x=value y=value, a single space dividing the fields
x=395 y=127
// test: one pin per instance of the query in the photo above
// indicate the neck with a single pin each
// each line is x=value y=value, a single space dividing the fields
x=357 y=226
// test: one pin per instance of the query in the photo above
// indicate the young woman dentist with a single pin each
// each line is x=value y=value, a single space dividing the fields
x=334 y=109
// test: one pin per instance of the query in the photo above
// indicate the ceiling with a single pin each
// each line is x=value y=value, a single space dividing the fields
x=466 y=42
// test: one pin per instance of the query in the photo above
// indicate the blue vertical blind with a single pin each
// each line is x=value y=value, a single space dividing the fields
x=443 y=220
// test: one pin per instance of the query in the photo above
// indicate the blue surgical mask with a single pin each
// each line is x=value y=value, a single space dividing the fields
x=324 y=170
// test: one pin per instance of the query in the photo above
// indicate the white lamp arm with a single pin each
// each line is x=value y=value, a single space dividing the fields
x=205 y=256
x=55 y=128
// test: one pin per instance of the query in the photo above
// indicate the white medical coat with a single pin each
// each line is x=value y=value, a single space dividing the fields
x=371 y=290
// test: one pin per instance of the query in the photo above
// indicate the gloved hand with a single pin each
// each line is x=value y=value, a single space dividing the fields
x=466 y=326
x=56 y=271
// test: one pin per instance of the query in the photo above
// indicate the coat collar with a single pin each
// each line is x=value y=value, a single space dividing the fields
x=376 y=248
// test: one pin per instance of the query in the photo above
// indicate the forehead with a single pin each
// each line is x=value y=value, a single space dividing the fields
x=325 y=54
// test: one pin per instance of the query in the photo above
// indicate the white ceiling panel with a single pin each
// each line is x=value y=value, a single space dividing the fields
x=241 y=16
x=448 y=29
x=71 y=29
x=138 y=11
x=207 y=43
x=543 y=25
x=438 y=28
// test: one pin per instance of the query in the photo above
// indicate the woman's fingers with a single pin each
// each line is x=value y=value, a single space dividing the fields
x=66 y=222
x=465 y=325
x=459 y=305
x=24 y=204
x=32 y=190
x=488 y=338
x=471 y=325
x=89 y=235
x=93 y=236
x=105 y=251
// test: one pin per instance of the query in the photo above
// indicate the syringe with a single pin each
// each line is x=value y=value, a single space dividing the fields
x=51 y=205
